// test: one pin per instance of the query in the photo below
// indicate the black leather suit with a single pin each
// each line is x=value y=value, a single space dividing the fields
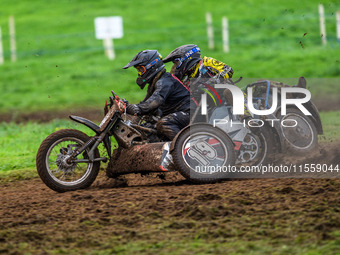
x=173 y=99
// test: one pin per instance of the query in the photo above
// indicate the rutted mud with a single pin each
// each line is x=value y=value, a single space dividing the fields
x=158 y=207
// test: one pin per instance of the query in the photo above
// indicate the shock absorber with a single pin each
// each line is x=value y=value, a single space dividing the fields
x=80 y=150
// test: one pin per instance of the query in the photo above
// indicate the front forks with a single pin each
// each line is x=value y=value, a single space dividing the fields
x=93 y=142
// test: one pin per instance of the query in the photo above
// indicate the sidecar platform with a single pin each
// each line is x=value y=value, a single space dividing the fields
x=151 y=157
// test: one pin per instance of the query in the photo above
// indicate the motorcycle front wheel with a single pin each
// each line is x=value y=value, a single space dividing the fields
x=52 y=165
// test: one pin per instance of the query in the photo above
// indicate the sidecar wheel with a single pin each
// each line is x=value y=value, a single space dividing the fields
x=257 y=148
x=203 y=153
x=51 y=163
x=301 y=139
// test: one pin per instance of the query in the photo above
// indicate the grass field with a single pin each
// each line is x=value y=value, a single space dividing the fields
x=61 y=64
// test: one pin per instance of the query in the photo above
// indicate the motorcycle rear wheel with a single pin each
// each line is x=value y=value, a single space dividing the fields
x=53 y=168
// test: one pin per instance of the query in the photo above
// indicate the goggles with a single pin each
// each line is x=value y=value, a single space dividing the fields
x=142 y=69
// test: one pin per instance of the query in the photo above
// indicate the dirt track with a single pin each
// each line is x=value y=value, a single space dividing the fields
x=153 y=213
x=280 y=210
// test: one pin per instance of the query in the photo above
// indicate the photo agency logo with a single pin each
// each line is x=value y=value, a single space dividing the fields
x=240 y=100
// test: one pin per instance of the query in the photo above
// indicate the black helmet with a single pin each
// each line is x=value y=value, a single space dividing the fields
x=150 y=63
x=184 y=57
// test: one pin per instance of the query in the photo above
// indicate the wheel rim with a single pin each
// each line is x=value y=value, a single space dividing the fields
x=59 y=170
x=203 y=151
x=301 y=136
x=253 y=150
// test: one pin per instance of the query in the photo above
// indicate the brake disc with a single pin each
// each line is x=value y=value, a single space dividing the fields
x=249 y=149
x=62 y=158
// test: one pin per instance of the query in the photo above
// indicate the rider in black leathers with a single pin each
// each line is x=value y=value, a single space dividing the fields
x=164 y=92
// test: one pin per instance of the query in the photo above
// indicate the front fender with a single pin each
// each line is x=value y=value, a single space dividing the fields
x=86 y=122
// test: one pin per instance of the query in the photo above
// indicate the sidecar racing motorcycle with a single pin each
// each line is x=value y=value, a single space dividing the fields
x=69 y=159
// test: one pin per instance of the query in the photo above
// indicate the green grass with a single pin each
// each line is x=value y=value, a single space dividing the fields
x=198 y=245
x=201 y=246
x=61 y=64
x=331 y=124
x=19 y=143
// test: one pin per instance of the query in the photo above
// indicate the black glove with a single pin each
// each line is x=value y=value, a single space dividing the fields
x=133 y=109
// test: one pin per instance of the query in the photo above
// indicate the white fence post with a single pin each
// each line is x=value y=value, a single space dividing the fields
x=210 y=31
x=225 y=34
x=322 y=24
x=1 y=49
x=338 y=26
x=12 y=39
x=109 y=50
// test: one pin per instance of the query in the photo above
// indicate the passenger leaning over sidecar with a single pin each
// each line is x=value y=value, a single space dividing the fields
x=193 y=70
x=200 y=74
x=164 y=92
